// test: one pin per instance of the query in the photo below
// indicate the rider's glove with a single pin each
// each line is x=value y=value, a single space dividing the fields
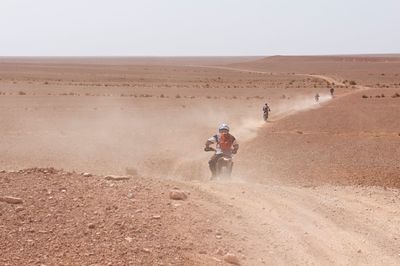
x=207 y=149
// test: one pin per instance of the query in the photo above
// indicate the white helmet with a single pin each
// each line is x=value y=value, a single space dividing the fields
x=223 y=126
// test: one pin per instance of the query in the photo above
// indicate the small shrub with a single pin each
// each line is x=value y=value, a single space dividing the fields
x=21 y=93
x=352 y=82
x=177 y=96
x=396 y=95
x=365 y=96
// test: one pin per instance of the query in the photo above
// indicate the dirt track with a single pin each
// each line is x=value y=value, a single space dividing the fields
x=318 y=185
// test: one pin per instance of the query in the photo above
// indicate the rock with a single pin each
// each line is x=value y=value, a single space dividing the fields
x=19 y=209
x=231 y=258
x=177 y=194
x=91 y=226
x=87 y=174
x=216 y=259
x=130 y=195
x=219 y=252
x=129 y=239
x=156 y=217
x=146 y=250
x=11 y=200
x=117 y=177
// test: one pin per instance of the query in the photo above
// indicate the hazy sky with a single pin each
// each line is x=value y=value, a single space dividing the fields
x=201 y=27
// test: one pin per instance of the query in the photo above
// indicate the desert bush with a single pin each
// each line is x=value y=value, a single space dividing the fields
x=162 y=96
x=177 y=96
x=352 y=82
x=46 y=83
x=383 y=95
x=396 y=95
x=364 y=96
x=21 y=93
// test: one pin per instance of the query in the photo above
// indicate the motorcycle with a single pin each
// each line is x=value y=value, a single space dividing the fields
x=265 y=116
x=224 y=165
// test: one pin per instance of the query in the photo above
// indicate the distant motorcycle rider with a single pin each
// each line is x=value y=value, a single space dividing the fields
x=226 y=145
x=332 y=90
x=316 y=97
x=266 y=111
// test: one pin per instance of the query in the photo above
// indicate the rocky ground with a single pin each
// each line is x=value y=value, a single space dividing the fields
x=68 y=218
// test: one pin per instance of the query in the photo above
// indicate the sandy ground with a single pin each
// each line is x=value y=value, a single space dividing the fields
x=316 y=185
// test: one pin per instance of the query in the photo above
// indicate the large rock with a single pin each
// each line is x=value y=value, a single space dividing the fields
x=231 y=258
x=11 y=200
x=177 y=194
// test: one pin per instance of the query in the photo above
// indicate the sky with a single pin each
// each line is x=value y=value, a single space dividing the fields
x=198 y=28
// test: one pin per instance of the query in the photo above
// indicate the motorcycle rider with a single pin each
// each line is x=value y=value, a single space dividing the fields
x=316 y=97
x=332 y=90
x=226 y=145
x=266 y=110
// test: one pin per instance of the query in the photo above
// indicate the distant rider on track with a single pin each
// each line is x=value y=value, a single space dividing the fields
x=316 y=97
x=226 y=145
x=266 y=111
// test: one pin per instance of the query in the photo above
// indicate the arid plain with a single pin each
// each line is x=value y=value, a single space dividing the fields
x=318 y=184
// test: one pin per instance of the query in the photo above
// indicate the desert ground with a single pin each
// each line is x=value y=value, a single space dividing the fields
x=318 y=184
